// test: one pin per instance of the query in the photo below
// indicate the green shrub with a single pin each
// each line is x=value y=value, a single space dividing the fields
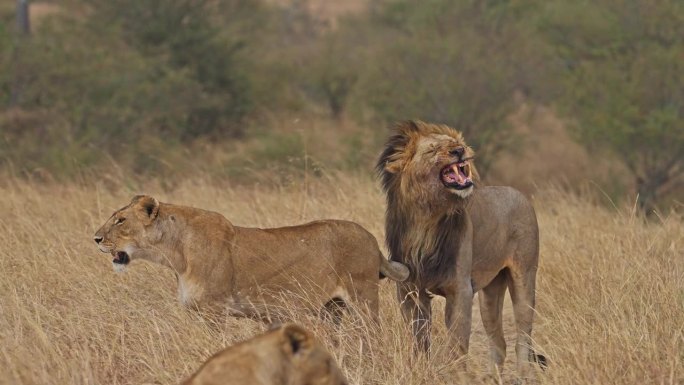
x=624 y=84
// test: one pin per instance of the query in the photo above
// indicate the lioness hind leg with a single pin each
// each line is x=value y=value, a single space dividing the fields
x=491 y=300
x=522 y=286
x=358 y=298
x=371 y=300
x=333 y=310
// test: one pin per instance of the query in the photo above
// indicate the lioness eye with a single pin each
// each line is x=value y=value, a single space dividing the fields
x=119 y=221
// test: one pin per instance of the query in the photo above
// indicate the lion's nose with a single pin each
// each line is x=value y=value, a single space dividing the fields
x=458 y=151
x=97 y=239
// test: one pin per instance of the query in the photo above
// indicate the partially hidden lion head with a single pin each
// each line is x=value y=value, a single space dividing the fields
x=427 y=163
x=288 y=355
x=129 y=231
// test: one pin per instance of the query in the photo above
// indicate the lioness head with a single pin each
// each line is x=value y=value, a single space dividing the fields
x=427 y=162
x=129 y=231
x=286 y=355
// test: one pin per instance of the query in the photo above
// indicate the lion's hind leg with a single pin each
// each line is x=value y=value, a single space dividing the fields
x=491 y=299
x=522 y=288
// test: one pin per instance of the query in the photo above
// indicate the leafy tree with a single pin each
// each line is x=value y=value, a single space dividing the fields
x=624 y=62
x=86 y=92
x=331 y=66
x=334 y=73
x=132 y=79
x=185 y=33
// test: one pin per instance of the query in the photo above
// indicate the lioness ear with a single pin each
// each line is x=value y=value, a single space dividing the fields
x=297 y=340
x=148 y=204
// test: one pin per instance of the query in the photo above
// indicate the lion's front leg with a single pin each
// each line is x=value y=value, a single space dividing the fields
x=416 y=309
x=458 y=316
x=459 y=294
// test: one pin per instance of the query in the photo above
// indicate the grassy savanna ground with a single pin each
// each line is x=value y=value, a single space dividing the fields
x=610 y=291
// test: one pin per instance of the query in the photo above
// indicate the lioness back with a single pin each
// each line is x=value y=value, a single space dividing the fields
x=289 y=355
x=342 y=252
x=321 y=241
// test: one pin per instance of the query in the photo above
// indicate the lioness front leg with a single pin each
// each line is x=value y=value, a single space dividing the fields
x=416 y=309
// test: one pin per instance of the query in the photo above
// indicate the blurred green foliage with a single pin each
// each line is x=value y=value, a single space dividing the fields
x=132 y=79
x=455 y=62
x=624 y=82
x=145 y=84
x=183 y=38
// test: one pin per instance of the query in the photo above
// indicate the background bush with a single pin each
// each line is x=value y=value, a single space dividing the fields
x=160 y=87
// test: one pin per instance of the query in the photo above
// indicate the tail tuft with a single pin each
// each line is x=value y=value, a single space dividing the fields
x=394 y=270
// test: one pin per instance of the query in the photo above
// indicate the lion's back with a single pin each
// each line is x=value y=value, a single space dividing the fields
x=501 y=202
x=505 y=228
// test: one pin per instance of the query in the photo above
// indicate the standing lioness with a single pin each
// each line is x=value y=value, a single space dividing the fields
x=246 y=270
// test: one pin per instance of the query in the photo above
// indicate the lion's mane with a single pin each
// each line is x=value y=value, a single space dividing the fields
x=417 y=227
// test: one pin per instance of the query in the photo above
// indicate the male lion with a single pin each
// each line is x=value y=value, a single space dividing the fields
x=457 y=240
x=288 y=355
x=246 y=271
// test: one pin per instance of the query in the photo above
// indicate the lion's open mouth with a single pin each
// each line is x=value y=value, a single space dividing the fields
x=457 y=175
x=121 y=258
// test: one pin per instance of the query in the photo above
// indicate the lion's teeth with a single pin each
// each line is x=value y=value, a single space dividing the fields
x=456 y=171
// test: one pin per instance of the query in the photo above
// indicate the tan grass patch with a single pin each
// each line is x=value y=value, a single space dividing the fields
x=610 y=292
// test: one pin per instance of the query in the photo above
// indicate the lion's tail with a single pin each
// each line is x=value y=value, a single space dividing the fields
x=393 y=270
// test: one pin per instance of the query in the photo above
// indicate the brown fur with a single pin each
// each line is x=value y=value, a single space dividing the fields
x=457 y=242
x=247 y=271
x=288 y=355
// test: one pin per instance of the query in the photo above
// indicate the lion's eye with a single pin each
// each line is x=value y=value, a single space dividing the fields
x=119 y=221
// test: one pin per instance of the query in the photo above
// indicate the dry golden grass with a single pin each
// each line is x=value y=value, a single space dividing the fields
x=610 y=292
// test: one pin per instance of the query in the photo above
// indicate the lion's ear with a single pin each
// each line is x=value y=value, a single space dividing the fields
x=394 y=166
x=297 y=340
x=408 y=127
x=148 y=205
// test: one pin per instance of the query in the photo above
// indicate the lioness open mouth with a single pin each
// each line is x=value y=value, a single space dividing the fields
x=457 y=175
x=121 y=258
